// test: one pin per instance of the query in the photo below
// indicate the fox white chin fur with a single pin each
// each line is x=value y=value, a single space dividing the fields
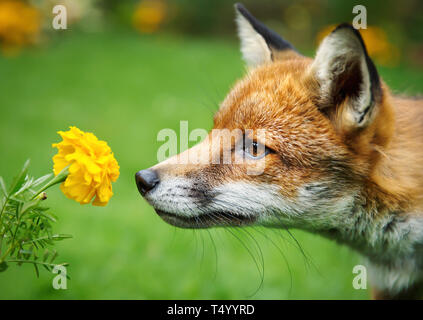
x=342 y=156
x=389 y=244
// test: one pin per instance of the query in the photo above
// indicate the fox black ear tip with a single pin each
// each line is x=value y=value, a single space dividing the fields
x=344 y=25
x=239 y=6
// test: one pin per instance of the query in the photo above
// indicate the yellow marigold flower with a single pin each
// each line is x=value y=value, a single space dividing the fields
x=148 y=15
x=20 y=24
x=92 y=167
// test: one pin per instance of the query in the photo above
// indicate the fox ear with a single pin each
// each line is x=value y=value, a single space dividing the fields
x=348 y=80
x=259 y=44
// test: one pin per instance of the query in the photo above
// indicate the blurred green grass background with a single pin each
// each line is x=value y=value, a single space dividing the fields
x=126 y=88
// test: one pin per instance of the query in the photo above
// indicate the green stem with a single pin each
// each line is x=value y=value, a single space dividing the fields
x=4 y=206
x=37 y=262
x=2 y=210
x=1 y=222
x=57 y=179
x=53 y=237
x=7 y=252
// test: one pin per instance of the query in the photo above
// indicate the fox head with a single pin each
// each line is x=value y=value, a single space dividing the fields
x=321 y=122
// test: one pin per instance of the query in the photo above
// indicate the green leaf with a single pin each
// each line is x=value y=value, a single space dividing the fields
x=28 y=205
x=28 y=252
x=3 y=186
x=47 y=267
x=20 y=178
x=25 y=186
x=46 y=254
x=61 y=236
x=54 y=256
x=37 y=272
x=48 y=216
x=40 y=180
x=18 y=210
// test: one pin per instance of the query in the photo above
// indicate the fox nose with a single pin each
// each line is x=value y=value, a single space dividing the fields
x=146 y=180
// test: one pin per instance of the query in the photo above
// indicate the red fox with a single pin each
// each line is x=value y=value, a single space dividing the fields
x=341 y=156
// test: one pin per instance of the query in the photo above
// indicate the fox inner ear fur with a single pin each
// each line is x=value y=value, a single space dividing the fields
x=259 y=44
x=348 y=80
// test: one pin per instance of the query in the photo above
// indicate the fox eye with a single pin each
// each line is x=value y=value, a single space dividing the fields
x=255 y=150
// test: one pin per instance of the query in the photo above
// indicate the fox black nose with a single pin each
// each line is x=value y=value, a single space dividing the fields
x=146 y=180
